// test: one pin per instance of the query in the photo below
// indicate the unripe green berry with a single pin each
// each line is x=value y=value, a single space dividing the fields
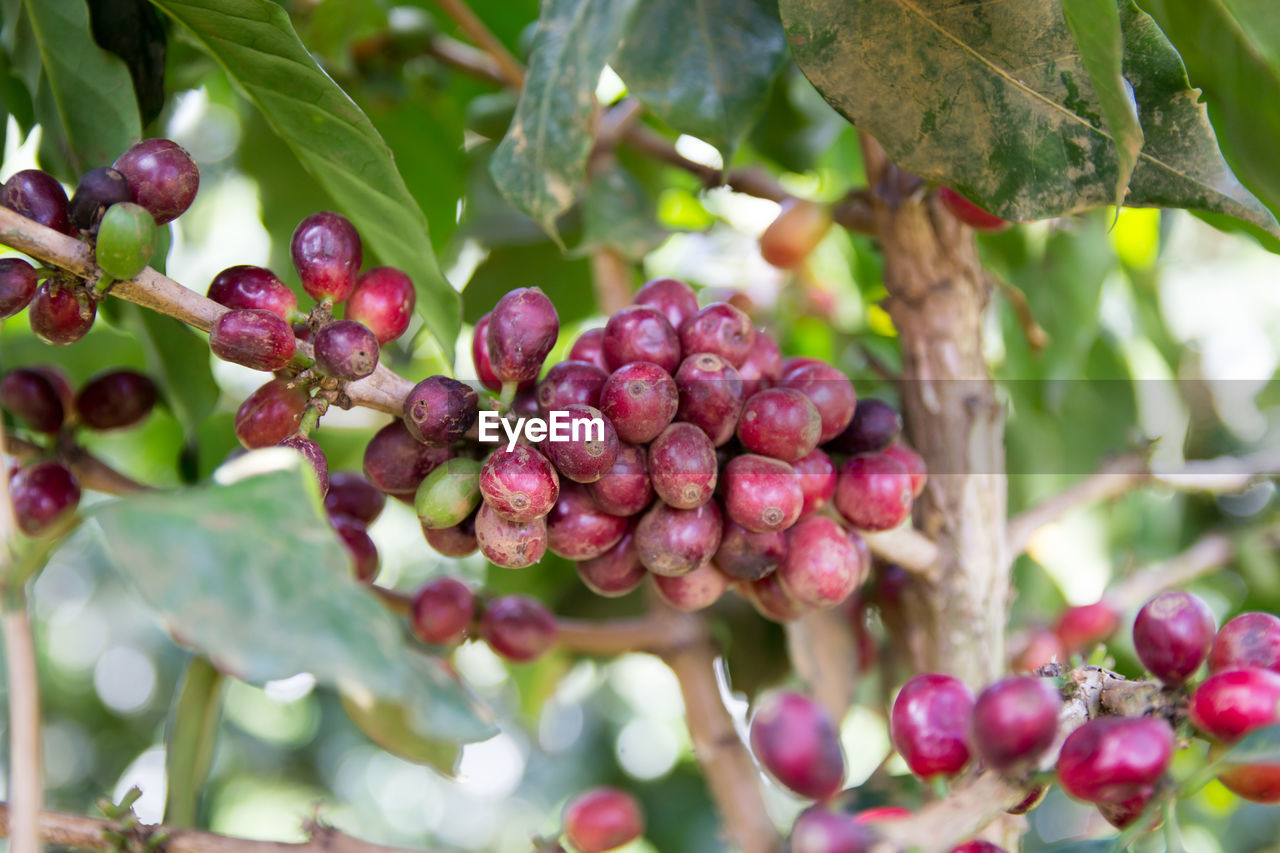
x=126 y=240
x=449 y=494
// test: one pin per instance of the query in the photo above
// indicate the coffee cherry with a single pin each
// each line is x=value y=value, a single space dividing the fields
x=763 y=365
x=674 y=542
x=625 y=489
x=31 y=398
x=675 y=299
x=586 y=458
x=817 y=477
x=356 y=540
x=720 y=329
x=383 y=301
x=640 y=333
x=523 y=328
x=602 y=819
x=881 y=814
x=929 y=725
x=448 y=494
x=1030 y=801
x=37 y=196
x=58 y=316
x=822 y=567
x=518 y=628
x=314 y=456
x=697 y=590
x=1123 y=815
x=977 y=846
x=163 y=177
x=711 y=396
x=780 y=422
x=326 y=252
x=520 y=485
x=57 y=378
x=115 y=400
x=875 y=425
x=1015 y=721
x=1172 y=634
x=246 y=286
x=772 y=601
x=913 y=462
x=1251 y=640
x=795 y=233
x=442 y=611
x=510 y=544
x=571 y=383
x=457 y=541
x=1037 y=647
x=98 y=190
x=762 y=494
x=441 y=410
x=969 y=213
x=396 y=462
x=270 y=414
x=18 y=284
x=749 y=556
x=873 y=492
x=480 y=355
x=639 y=399
x=577 y=529
x=1230 y=704
x=616 y=572
x=797 y=742
x=818 y=830
x=1083 y=626
x=43 y=495
x=126 y=242
x=1115 y=759
x=346 y=350
x=682 y=466
x=589 y=347
x=1258 y=783
x=831 y=392
x=254 y=338
x=350 y=494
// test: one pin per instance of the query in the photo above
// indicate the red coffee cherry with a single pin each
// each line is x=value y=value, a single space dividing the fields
x=913 y=462
x=780 y=422
x=523 y=328
x=1015 y=721
x=480 y=355
x=440 y=410
x=98 y=190
x=822 y=567
x=30 y=397
x=247 y=286
x=359 y=545
x=682 y=466
x=674 y=542
x=570 y=383
x=817 y=475
x=616 y=572
x=18 y=284
x=346 y=350
x=43 y=495
x=831 y=392
x=818 y=830
x=577 y=529
x=1229 y=705
x=587 y=457
x=457 y=541
x=675 y=299
x=1115 y=759
x=383 y=301
x=772 y=601
x=162 y=176
x=969 y=213
x=1037 y=647
x=589 y=347
x=510 y=544
x=640 y=333
x=115 y=400
x=518 y=628
x=1083 y=626
x=639 y=399
x=326 y=252
x=795 y=233
x=762 y=494
x=763 y=365
x=1172 y=634
x=873 y=492
x=797 y=742
x=875 y=425
x=625 y=489
x=977 y=846
x=520 y=485
x=1123 y=815
x=314 y=456
x=58 y=315
x=254 y=338
x=930 y=724
x=711 y=395
x=350 y=494
x=270 y=414
x=602 y=819
x=442 y=611
x=37 y=196
x=397 y=463
x=1251 y=640
x=721 y=329
x=749 y=556
x=697 y=590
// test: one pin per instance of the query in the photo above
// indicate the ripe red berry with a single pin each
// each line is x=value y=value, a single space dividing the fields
x=314 y=456
x=640 y=333
x=697 y=590
x=1115 y=759
x=822 y=567
x=57 y=377
x=1259 y=783
x=1123 y=815
x=749 y=556
x=252 y=337
x=518 y=628
x=913 y=462
x=763 y=365
x=30 y=397
x=116 y=399
x=383 y=301
x=616 y=572
x=397 y=463
x=1083 y=626
x=930 y=724
x=440 y=410
x=762 y=494
x=442 y=611
x=1230 y=704
x=163 y=177
x=711 y=395
x=674 y=541
x=480 y=355
x=569 y=383
x=675 y=299
x=510 y=544
x=58 y=315
x=602 y=819
x=873 y=492
x=589 y=347
x=520 y=485
x=969 y=213
x=326 y=252
x=98 y=190
x=881 y=814
x=350 y=494
x=721 y=329
x=795 y=233
x=682 y=466
x=780 y=422
x=456 y=541
x=977 y=846
x=1037 y=647
x=772 y=601
x=831 y=392
x=270 y=414
x=817 y=476
x=247 y=286
x=625 y=489
x=523 y=328
x=345 y=349
x=818 y=830
x=1172 y=634
x=37 y=196
x=1015 y=721
x=1251 y=640
x=359 y=545
x=639 y=399
x=43 y=494
x=797 y=742
x=577 y=529
x=875 y=425
x=18 y=284
x=592 y=447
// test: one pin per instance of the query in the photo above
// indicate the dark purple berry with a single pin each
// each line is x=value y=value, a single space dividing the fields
x=441 y=410
x=1015 y=721
x=797 y=742
x=762 y=494
x=817 y=480
x=831 y=392
x=523 y=328
x=313 y=454
x=326 y=253
x=520 y=485
x=355 y=538
x=1115 y=759
x=510 y=544
x=30 y=397
x=590 y=445
x=43 y=494
x=270 y=414
x=1249 y=640
x=589 y=348
x=383 y=301
x=346 y=349
x=720 y=328
x=711 y=395
x=114 y=400
x=682 y=466
x=577 y=529
x=1172 y=634
x=780 y=422
x=674 y=542
x=874 y=427
x=749 y=556
x=640 y=333
x=350 y=494
x=625 y=489
x=639 y=399
x=98 y=189
x=254 y=338
x=18 y=284
x=518 y=628
x=163 y=177
x=616 y=572
x=570 y=383
x=456 y=541
x=442 y=611
x=930 y=725
x=675 y=299
x=37 y=196
x=822 y=567
x=247 y=286
x=59 y=316
x=873 y=492
x=697 y=590
x=397 y=463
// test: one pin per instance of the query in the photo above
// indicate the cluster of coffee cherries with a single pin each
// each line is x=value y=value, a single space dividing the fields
x=44 y=406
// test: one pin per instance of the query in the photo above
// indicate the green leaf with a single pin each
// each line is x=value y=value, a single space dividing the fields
x=387 y=725
x=619 y=214
x=254 y=42
x=1257 y=747
x=250 y=574
x=703 y=66
x=83 y=95
x=1232 y=52
x=541 y=164
x=1001 y=107
x=1096 y=27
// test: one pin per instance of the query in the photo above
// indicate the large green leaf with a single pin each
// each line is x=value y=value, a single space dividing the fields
x=703 y=66
x=83 y=96
x=541 y=164
x=255 y=43
x=618 y=213
x=999 y=104
x=1232 y=52
x=250 y=574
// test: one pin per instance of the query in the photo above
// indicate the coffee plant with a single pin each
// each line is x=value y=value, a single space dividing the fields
x=820 y=426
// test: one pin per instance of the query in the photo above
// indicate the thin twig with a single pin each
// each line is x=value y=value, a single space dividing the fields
x=90 y=471
x=26 y=791
x=611 y=280
x=469 y=23
x=1037 y=337
x=1209 y=552
x=464 y=57
x=905 y=546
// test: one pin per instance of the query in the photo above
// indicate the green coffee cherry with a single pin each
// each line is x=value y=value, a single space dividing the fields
x=449 y=494
x=126 y=240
